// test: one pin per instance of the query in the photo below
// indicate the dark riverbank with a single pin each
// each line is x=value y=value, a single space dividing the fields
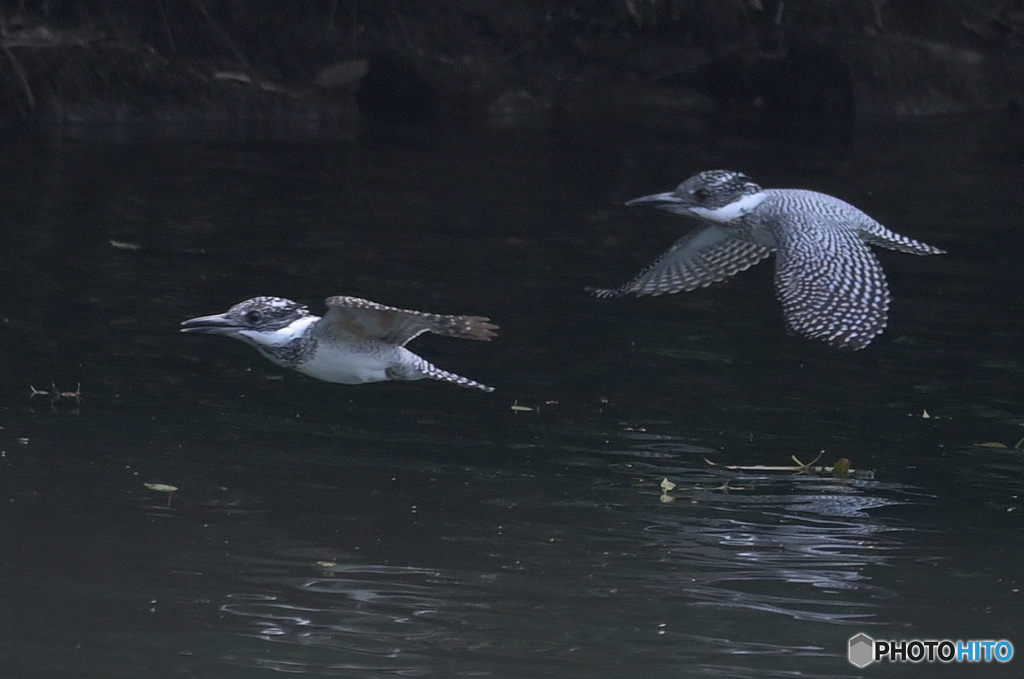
x=510 y=64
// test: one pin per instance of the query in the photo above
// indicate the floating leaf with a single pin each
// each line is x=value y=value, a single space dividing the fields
x=841 y=469
x=667 y=485
x=162 y=488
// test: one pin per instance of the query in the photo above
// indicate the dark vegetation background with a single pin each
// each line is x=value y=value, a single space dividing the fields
x=508 y=63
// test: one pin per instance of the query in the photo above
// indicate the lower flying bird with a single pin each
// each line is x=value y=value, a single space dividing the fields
x=830 y=284
x=355 y=342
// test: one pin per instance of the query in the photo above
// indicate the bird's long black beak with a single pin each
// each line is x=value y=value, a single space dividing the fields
x=656 y=199
x=217 y=324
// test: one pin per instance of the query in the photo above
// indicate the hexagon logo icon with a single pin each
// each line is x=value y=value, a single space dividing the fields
x=862 y=650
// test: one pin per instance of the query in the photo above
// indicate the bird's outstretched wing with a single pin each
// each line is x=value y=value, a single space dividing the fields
x=698 y=259
x=830 y=284
x=355 y=319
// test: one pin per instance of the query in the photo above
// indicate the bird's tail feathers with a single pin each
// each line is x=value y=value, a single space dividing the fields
x=427 y=369
x=884 y=238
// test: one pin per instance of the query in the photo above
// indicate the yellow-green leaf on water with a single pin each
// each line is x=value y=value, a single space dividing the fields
x=666 y=498
x=841 y=469
x=990 y=444
x=667 y=485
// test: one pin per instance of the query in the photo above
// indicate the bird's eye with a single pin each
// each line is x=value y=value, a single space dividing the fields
x=253 y=316
x=701 y=194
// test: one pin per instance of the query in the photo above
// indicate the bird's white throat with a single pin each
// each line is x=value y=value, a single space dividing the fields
x=733 y=210
x=281 y=336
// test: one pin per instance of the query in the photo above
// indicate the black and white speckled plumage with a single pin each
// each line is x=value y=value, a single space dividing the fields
x=830 y=284
x=268 y=314
x=292 y=354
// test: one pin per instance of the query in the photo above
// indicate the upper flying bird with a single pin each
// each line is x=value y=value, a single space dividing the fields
x=356 y=341
x=830 y=284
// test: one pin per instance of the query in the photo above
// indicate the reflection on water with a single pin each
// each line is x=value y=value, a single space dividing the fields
x=406 y=530
x=359 y=611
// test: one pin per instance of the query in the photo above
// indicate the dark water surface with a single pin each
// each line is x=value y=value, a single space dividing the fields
x=422 y=530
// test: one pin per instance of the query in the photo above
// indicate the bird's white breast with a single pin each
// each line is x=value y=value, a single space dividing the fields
x=348 y=364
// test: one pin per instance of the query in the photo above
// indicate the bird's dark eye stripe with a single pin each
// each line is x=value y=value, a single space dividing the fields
x=701 y=194
x=253 y=316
